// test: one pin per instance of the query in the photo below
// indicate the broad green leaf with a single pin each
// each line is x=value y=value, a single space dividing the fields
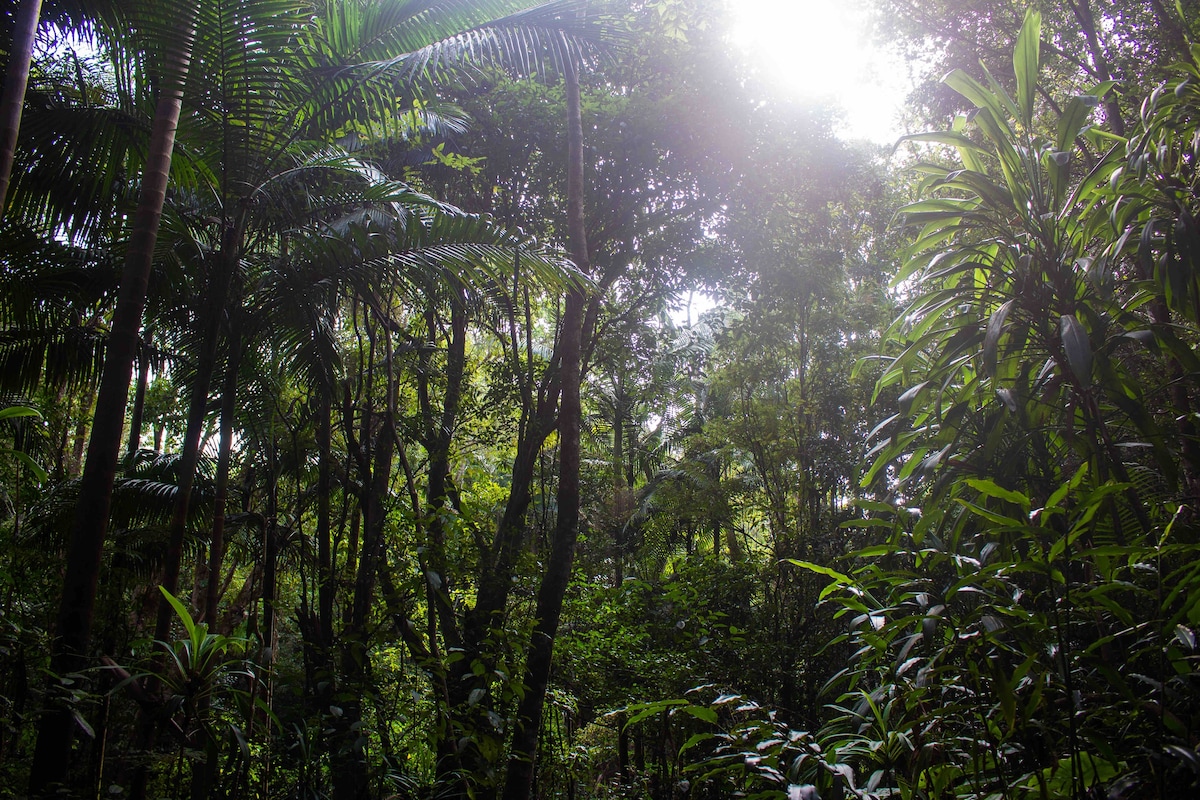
x=991 y=339
x=822 y=570
x=906 y=400
x=951 y=138
x=1065 y=489
x=996 y=196
x=875 y=551
x=1077 y=347
x=87 y=729
x=994 y=86
x=1078 y=109
x=15 y=412
x=838 y=578
x=39 y=474
x=646 y=710
x=1025 y=64
x=695 y=739
x=181 y=611
x=988 y=487
x=990 y=516
x=701 y=713
x=974 y=91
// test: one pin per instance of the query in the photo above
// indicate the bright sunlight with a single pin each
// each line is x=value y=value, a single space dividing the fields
x=820 y=50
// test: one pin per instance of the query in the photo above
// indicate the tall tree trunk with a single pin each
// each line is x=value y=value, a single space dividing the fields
x=537 y=421
x=139 y=401
x=621 y=498
x=204 y=773
x=68 y=650
x=317 y=629
x=349 y=759
x=519 y=781
x=438 y=435
x=495 y=580
x=16 y=79
x=214 y=303
x=216 y=545
x=81 y=430
x=325 y=580
x=270 y=593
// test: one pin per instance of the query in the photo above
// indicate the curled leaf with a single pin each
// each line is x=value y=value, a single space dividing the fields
x=1078 y=348
x=991 y=338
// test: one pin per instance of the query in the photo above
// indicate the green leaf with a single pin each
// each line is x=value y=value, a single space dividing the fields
x=701 y=713
x=646 y=710
x=1025 y=64
x=875 y=550
x=974 y=91
x=991 y=339
x=992 y=489
x=15 y=412
x=38 y=473
x=1078 y=109
x=1065 y=489
x=87 y=729
x=822 y=570
x=1077 y=346
x=951 y=138
x=991 y=516
x=181 y=611
x=838 y=578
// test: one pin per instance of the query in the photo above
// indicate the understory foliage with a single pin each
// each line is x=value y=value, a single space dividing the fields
x=887 y=473
x=1025 y=624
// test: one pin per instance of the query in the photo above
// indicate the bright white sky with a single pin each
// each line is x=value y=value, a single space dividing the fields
x=820 y=50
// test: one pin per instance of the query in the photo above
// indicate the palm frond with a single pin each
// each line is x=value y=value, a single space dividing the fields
x=52 y=298
x=529 y=41
x=75 y=171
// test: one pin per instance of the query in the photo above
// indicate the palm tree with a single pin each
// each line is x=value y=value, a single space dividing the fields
x=274 y=83
x=15 y=80
x=273 y=135
x=77 y=605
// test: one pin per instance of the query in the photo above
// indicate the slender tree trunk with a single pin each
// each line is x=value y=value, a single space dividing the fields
x=214 y=303
x=325 y=580
x=215 y=298
x=270 y=593
x=216 y=546
x=81 y=430
x=270 y=559
x=204 y=773
x=15 y=82
x=621 y=497
x=349 y=762
x=623 y=772
x=139 y=402
x=76 y=611
x=495 y=581
x=519 y=780
x=438 y=435
x=537 y=421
